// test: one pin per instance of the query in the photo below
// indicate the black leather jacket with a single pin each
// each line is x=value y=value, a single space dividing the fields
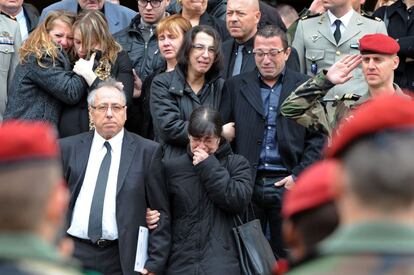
x=145 y=57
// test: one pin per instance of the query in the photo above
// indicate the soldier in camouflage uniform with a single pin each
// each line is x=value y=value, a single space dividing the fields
x=374 y=194
x=307 y=104
x=33 y=201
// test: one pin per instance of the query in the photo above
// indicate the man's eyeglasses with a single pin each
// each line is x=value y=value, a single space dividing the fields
x=270 y=53
x=200 y=48
x=153 y=3
x=103 y=108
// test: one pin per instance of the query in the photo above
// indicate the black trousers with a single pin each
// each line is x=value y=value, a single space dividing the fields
x=102 y=259
x=267 y=205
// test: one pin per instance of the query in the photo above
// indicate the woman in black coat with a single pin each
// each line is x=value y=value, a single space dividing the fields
x=208 y=186
x=194 y=82
x=92 y=39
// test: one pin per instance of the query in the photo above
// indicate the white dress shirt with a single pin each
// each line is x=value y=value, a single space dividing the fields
x=22 y=24
x=80 y=218
x=344 y=21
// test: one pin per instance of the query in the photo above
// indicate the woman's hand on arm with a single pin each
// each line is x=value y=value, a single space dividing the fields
x=152 y=218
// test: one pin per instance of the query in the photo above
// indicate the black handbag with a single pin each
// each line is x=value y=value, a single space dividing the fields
x=255 y=254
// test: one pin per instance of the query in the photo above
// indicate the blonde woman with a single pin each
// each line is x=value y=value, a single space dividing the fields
x=93 y=41
x=44 y=79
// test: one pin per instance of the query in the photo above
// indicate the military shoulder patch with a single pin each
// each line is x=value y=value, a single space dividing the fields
x=371 y=17
x=310 y=16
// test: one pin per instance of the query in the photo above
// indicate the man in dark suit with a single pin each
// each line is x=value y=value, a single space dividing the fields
x=277 y=148
x=113 y=176
x=243 y=18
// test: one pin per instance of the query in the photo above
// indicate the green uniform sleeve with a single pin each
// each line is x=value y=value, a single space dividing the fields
x=306 y=107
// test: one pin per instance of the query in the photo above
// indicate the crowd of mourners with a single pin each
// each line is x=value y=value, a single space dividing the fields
x=137 y=141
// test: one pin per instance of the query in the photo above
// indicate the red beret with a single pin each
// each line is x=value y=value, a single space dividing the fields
x=27 y=141
x=314 y=187
x=378 y=114
x=378 y=43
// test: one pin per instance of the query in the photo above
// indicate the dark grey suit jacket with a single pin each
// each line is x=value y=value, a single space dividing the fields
x=141 y=184
x=242 y=103
x=118 y=16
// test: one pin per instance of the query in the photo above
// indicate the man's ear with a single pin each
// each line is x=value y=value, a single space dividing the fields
x=395 y=62
x=287 y=53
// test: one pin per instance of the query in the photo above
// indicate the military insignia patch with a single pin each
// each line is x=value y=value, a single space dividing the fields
x=6 y=38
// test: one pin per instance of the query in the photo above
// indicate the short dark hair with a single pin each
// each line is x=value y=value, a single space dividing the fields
x=205 y=121
x=184 y=52
x=269 y=31
x=315 y=224
x=379 y=169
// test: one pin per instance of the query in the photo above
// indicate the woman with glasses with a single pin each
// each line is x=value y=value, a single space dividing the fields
x=170 y=34
x=208 y=186
x=194 y=82
x=94 y=43
x=44 y=80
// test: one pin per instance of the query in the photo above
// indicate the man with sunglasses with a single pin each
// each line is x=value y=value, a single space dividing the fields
x=118 y=16
x=278 y=149
x=113 y=176
x=139 y=39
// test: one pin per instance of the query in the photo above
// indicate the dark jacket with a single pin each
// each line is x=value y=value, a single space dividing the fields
x=217 y=24
x=242 y=104
x=38 y=93
x=399 y=27
x=32 y=16
x=145 y=58
x=171 y=104
x=75 y=119
x=140 y=121
x=270 y=16
x=204 y=199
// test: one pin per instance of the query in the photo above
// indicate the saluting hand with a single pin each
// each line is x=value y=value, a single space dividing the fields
x=340 y=72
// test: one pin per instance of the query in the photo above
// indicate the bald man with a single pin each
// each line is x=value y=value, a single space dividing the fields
x=242 y=19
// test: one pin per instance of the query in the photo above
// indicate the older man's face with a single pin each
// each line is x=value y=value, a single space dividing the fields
x=7 y=5
x=91 y=4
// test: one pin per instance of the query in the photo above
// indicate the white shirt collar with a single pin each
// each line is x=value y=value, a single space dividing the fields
x=344 y=19
x=115 y=141
x=20 y=15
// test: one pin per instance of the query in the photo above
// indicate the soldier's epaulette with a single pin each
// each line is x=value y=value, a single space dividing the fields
x=310 y=16
x=8 y=16
x=366 y=15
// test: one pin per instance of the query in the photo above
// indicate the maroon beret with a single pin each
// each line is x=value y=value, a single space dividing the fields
x=378 y=114
x=314 y=187
x=22 y=141
x=378 y=43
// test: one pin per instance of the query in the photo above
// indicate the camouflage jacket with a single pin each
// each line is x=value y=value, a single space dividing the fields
x=308 y=107
x=26 y=254
x=369 y=248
